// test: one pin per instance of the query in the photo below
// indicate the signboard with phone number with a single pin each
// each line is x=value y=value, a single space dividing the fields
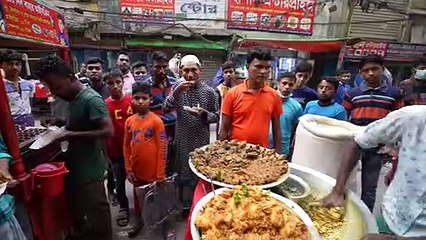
x=284 y=16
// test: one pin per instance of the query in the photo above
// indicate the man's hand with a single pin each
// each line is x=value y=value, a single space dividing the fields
x=197 y=111
x=131 y=177
x=334 y=200
x=61 y=135
x=183 y=86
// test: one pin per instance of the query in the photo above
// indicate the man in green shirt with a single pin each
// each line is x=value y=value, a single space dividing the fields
x=87 y=128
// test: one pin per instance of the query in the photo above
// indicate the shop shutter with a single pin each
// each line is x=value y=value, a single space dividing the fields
x=385 y=31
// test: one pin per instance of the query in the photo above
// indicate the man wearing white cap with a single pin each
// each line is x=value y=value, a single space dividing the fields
x=197 y=107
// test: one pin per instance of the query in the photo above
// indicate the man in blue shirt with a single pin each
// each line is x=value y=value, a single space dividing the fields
x=292 y=111
x=9 y=226
x=302 y=93
x=344 y=86
x=326 y=106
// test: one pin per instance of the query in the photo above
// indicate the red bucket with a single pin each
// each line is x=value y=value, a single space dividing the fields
x=49 y=179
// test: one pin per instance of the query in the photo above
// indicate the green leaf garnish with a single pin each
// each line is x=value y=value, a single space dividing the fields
x=267 y=193
x=237 y=199
x=195 y=163
x=245 y=190
x=219 y=176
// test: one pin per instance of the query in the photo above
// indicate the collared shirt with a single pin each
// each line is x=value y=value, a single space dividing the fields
x=341 y=92
x=20 y=99
x=128 y=83
x=159 y=95
x=251 y=112
x=404 y=203
x=366 y=105
x=7 y=203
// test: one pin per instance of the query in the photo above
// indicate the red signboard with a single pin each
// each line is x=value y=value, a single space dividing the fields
x=32 y=20
x=285 y=16
x=152 y=11
x=365 y=48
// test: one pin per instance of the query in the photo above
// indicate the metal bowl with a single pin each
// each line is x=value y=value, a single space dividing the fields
x=294 y=188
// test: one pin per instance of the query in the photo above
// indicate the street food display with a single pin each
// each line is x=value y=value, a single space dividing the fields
x=249 y=213
x=237 y=163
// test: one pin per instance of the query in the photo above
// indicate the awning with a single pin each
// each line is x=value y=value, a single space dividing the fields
x=180 y=43
x=306 y=45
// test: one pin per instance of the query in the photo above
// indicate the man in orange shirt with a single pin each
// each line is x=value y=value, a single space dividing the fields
x=145 y=144
x=249 y=108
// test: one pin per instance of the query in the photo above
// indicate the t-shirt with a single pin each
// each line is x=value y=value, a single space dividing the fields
x=251 y=113
x=341 y=92
x=128 y=80
x=304 y=95
x=334 y=110
x=145 y=147
x=84 y=158
x=19 y=99
x=293 y=110
x=103 y=91
x=119 y=111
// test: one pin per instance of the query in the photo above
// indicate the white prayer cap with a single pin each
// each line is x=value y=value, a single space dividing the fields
x=190 y=59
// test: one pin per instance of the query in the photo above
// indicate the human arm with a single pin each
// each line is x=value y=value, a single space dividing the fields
x=211 y=114
x=127 y=151
x=225 y=127
x=172 y=100
x=399 y=101
x=348 y=104
x=276 y=131
x=386 y=130
x=5 y=160
x=160 y=139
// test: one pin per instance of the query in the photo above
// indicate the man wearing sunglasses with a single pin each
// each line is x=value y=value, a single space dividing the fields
x=369 y=102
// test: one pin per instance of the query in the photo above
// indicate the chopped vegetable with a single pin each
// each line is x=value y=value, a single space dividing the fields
x=267 y=193
x=195 y=163
x=219 y=176
x=245 y=190
x=237 y=199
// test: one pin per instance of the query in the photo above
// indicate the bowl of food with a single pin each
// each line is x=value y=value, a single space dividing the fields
x=249 y=213
x=232 y=163
x=294 y=188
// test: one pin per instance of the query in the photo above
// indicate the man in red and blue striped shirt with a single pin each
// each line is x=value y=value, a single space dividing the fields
x=371 y=101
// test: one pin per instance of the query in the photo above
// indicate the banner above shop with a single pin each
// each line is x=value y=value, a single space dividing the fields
x=149 y=11
x=284 y=16
x=32 y=20
x=201 y=14
x=390 y=51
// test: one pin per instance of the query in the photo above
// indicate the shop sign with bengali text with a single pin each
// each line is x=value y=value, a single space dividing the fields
x=388 y=50
x=148 y=11
x=365 y=48
x=201 y=13
x=34 y=21
x=284 y=16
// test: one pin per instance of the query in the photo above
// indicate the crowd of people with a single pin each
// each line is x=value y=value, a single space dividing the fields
x=132 y=121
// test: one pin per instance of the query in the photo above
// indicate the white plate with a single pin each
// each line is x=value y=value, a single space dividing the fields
x=3 y=187
x=227 y=185
x=290 y=204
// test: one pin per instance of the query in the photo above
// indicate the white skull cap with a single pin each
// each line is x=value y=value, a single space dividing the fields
x=190 y=59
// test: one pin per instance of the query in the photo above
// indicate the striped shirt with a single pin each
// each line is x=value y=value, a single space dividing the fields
x=366 y=105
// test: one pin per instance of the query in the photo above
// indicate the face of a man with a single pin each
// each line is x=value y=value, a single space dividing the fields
x=302 y=78
x=12 y=69
x=115 y=86
x=345 y=77
x=59 y=85
x=372 y=73
x=326 y=90
x=95 y=72
x=123 y=61
x=286 y=86
x=259 y=70
x=191 y=72
x=140 y=72
x=229 y=75
x=159 y=69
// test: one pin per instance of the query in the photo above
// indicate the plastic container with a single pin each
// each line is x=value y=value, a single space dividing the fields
x=323 y=143
x=49 y=179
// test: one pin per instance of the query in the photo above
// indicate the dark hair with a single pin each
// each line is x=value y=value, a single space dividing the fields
x=159 y=56
x=372 y=58
x=52 y=64
x=138 y=64
x=228 y=65
x=287 y=75
x=111 y=73
x=94 y=60
x=342 y=71
x=420 y=62
x=8 y=55
x=141 y=87
x=260 y=54
x=332 y=80
x=304 y=66
x=123 y=53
